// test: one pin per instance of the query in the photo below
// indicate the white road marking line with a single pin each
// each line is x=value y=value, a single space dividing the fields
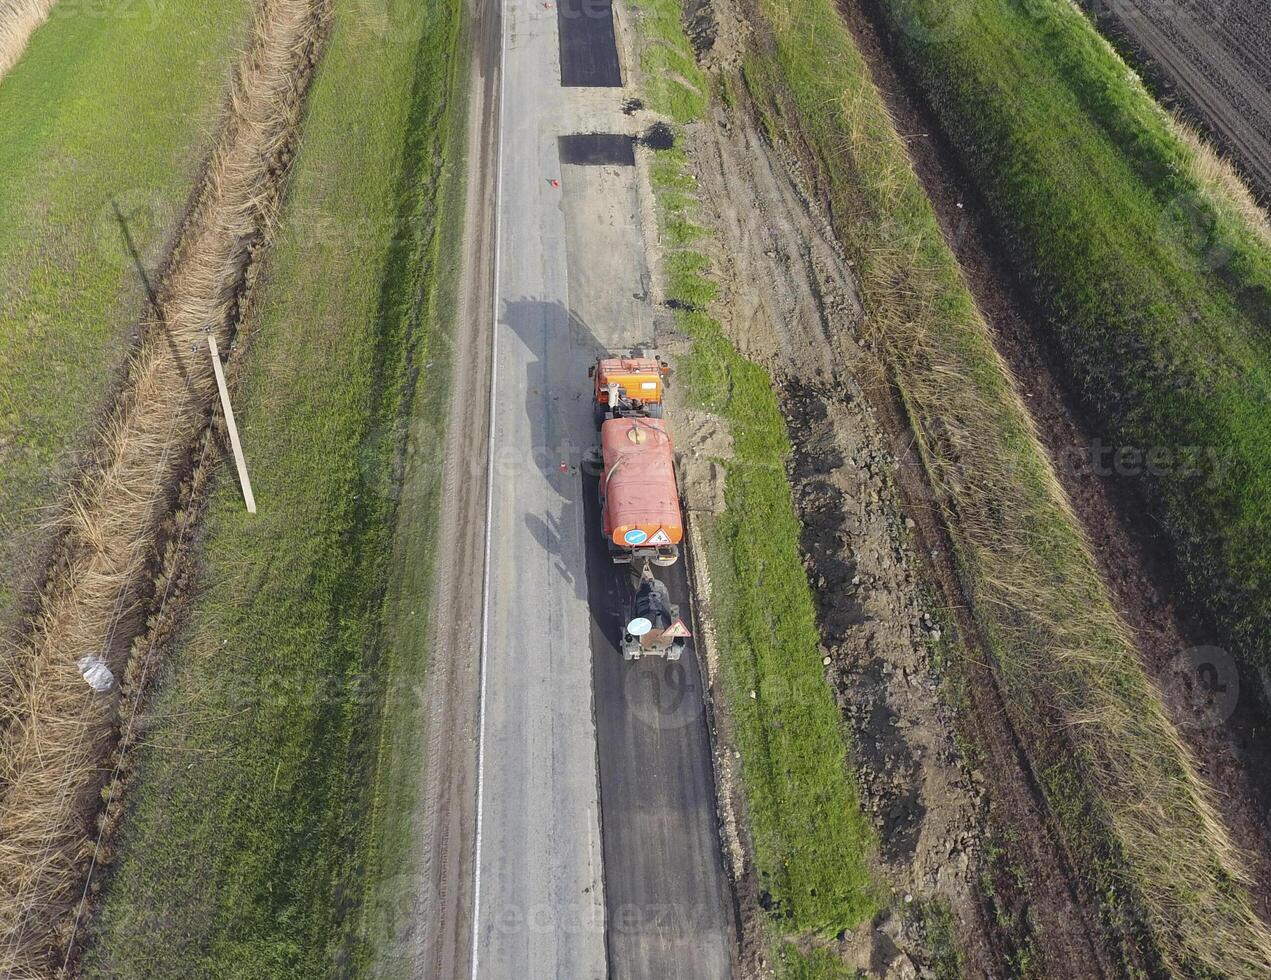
x=489 y=494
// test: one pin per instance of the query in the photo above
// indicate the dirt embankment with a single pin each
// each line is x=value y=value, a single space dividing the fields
x=788 y=301
x=791 y=306
x=1219 y=711
x=18 y=21
x=119 y=550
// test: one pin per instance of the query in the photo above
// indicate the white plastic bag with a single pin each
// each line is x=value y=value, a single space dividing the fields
x=95 y=671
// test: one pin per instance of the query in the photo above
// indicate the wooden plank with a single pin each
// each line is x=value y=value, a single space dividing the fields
x=239 y=461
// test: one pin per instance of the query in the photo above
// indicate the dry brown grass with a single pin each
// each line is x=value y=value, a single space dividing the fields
x=1058 y=640
x=56 y=734
x=1059 y=643
x=1226 y=187
x=1227 y=190
x=18 y=21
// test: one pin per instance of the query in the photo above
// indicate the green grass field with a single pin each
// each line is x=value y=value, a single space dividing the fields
x=254 y=844
x=1129 y=802
x=813 y=846
x=104 y=111
x=1159 y=291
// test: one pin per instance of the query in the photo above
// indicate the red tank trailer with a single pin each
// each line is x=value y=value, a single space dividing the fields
x=639 y=498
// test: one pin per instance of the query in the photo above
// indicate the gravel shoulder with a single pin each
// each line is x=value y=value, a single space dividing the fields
x=437 y=942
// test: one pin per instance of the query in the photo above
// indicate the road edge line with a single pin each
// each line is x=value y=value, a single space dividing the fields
x=489 y=494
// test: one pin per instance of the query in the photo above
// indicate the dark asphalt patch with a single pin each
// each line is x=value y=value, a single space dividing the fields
x=669 y=911
x=588 y=47
x=598 y=150
x=659 y=136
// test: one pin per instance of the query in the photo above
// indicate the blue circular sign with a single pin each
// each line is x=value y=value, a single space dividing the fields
x=635 y=536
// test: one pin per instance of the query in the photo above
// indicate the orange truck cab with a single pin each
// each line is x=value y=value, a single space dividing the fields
x=628 y=386
x=639 y=498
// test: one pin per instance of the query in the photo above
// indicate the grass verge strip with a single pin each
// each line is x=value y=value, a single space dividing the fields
x=56 y=729
x=1157 y=281
x=1056 y=641
x=813 y=846
x=106 y=122
x=246 y=845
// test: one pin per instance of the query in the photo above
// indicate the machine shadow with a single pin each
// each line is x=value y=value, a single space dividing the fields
x=561 y=346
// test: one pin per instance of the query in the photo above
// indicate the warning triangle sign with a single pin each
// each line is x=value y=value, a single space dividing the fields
x=661 y=537
x=676 y=629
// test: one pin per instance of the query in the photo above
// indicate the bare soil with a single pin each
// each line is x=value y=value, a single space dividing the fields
x=788 y=301
x=1223 y=715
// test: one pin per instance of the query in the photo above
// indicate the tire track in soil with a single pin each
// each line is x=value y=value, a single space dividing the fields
x=117 y=549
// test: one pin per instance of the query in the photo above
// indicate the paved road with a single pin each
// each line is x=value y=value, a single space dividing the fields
x=589 y=50
x=666 y=895
x=540 y=891
x=562 y=889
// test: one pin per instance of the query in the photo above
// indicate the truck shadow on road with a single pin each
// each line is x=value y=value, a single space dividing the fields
x=559 y=346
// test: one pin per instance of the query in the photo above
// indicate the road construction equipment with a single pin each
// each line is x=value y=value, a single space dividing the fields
x=639 y=498
x=628 y=386
x=654 y=627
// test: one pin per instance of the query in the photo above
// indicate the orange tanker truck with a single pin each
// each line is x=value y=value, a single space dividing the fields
x=626 y=386
x=639 y=498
